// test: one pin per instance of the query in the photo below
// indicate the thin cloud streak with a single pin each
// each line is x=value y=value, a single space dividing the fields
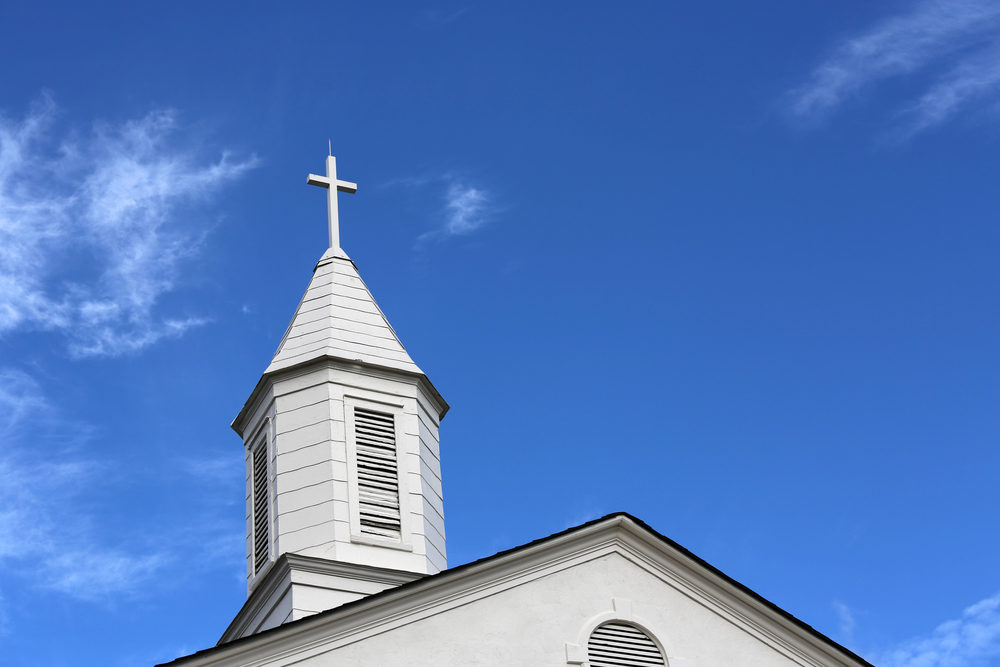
x=41 y=524
x=467 y=208
x=972 y=80
x=52 y=535
x=90 y=236
x=956 y=36
x=973 y=640
x=846 y=621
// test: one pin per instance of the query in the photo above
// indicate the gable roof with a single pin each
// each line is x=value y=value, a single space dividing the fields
x=424 y=591
x=338 y=317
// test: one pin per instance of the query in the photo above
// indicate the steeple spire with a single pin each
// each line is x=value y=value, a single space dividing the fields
x=333 y=185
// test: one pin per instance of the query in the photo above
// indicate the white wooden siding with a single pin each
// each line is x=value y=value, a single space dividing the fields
x=337 y=316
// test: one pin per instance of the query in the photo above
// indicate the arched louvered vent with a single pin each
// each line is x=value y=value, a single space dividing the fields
x=622 y=645
x=261 y=543
x=378 y=483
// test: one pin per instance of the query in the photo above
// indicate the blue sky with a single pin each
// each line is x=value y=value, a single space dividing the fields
x=730 y=267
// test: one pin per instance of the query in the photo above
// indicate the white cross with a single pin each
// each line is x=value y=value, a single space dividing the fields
x=333 y=185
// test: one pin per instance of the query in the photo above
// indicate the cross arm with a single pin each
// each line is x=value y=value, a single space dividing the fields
x=347 y=186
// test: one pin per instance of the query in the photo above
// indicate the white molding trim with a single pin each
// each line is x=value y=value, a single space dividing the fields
x=330 y=362
x=621 y=610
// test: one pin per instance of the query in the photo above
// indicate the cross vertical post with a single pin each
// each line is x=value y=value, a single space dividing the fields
x=333 y=186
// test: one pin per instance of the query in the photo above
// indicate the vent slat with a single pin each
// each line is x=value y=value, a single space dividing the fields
x=620 y=645
x=376 y=446
x=378 y=459
x=375 y=433
x=378 y=473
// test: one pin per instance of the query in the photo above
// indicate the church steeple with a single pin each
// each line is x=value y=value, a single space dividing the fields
x=343 y=468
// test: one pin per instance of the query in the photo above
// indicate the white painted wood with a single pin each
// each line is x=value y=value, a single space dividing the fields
x=307 y=415
x=313 y=395
x=338 y=317
x=307 y=517
x=303 y=457
x=314 y=584
x=333 y=185
x=300 y=478
x=319 y=541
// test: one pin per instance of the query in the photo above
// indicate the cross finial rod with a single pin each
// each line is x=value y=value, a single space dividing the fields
x=333 y=186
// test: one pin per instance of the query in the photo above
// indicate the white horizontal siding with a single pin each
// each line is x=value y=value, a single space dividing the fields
x=307 y=517
x=306 y=476
x=309 y=496
x=354 y=309
x=303 y=457
x=337 y=316
x=307 y=415
x=298 y=399
x=357 y=326
x=343 y=336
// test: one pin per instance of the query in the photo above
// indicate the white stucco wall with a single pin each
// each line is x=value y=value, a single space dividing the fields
x=537 y=607
x=531 y=624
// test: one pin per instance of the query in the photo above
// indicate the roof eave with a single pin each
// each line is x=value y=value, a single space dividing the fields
x=239 y=423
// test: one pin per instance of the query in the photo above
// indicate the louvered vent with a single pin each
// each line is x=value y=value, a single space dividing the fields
x=622 y=645
x=260 y=522
x=378 y=482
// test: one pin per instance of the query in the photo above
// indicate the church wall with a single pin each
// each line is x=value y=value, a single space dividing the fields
x=531 y=624
x=529 y=616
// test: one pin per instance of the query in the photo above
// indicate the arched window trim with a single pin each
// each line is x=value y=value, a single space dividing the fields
x=621 y=611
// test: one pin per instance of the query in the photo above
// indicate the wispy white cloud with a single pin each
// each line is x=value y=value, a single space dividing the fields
x=465 y=207
x=42 y=523
x=102 y=574
x=222 y=474
x=20 y=398
x=91 y=237
x=972 y=80
x=954 y=37
x=972 y=640
x=846 y=621
x=53 y=533
x=440 y=16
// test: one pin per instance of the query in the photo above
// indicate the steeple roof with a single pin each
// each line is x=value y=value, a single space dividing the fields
x=338 y=317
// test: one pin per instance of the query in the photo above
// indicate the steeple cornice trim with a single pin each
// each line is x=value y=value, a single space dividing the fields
x=239 y=424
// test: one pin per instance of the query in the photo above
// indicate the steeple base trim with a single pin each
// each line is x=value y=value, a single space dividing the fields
x=297 y=586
